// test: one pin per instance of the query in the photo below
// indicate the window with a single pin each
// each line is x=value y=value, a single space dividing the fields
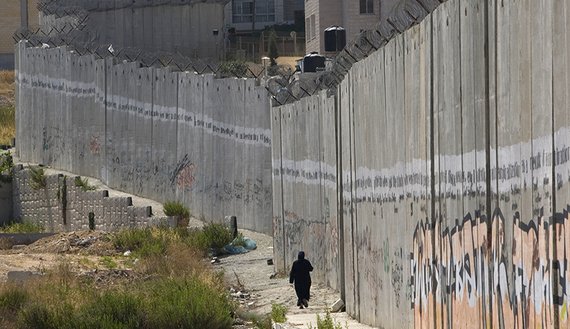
x=308 y=27
x=265 y=11
x=367 y=6
x=242 y=11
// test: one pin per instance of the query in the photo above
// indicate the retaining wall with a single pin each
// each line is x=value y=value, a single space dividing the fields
x=62 y=206
x=442 y=199
x=149 y=131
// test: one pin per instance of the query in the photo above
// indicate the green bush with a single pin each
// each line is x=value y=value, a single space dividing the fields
x=327 y=323
x=175 y=208
x=187 y=303
x=217 y=235
x=239 y=240
x=143 y=242
x=111 y=310
x=278 y=313
x=38 y=177
x=23 y=227
x=83 y=183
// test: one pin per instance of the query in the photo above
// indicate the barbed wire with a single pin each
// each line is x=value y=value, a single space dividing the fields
x=283 y=85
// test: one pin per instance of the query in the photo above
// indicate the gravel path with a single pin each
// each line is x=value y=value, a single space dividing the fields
x=251 y=271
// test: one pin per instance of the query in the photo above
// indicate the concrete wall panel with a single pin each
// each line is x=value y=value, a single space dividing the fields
x=120 y=123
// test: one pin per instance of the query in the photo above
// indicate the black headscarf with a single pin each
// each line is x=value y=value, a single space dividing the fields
x=301 y=255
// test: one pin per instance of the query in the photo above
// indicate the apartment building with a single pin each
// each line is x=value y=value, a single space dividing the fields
x=353 y=15
x=14 y=14
x=240 y=13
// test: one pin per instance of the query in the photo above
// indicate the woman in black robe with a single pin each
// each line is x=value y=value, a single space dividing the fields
x=302 y=278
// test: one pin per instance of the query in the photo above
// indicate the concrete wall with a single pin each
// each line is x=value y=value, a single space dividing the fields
x=452 y=173
x=185 y=27
x=62 y=206
x=149 y=131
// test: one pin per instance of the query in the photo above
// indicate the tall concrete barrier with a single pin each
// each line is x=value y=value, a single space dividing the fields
x=149 y=131
x=447 y=150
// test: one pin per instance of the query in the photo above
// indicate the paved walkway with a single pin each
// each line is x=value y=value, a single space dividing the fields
x=309 y=320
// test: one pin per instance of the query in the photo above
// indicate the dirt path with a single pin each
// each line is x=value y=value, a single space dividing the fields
x=252 y=272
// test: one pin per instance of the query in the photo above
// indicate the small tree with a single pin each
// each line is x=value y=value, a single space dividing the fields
x=273 y=53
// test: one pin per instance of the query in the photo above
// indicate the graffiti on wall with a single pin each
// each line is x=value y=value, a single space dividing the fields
x=506 y=281
x=183 y=174
x=95 y=145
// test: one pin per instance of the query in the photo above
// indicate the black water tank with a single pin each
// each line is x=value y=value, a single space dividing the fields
x=312 y=61
x=335 y=38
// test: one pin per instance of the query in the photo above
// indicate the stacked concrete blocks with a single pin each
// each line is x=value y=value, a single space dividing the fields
x=62 y=205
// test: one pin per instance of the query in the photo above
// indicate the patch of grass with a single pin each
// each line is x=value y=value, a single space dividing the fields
x=172 y=308
x=12 y=299
x=22 y=227
x=108 y=262
x=83 y=183
x=278 y=313
x=7 y=109
x=180 y=292
x=327 y=323
x=38 y=177
x=7 y=124
x=143 y=242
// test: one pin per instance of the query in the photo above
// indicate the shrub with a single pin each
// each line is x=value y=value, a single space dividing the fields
x=175 y=208
x=38 y=177
x=239 y=240
x=142 y=242
x=83 y=183
x=278 y=313
x=112 y=309
x=23 y=227
x=217 y=235
x=187 y=303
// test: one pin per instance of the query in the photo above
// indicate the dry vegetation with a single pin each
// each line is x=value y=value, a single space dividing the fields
x=7 y=107
x=162 y=282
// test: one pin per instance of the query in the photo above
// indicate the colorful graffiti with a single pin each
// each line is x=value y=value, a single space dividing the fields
x=503 y=280
x=183 y=175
